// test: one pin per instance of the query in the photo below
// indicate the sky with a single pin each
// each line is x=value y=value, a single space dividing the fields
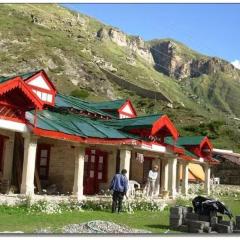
x=212 y=29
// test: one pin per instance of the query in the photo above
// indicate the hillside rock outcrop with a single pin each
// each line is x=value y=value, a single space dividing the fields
x=178 y=61
x=135 y=43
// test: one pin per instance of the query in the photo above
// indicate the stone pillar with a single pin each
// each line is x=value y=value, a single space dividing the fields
x=179 y=169
x=8 y=159
x=125 y=157
x=172 y=172
x=30 y=148
x=185 y=179
x=79 y=172
x=207 y=179
x=165 y=176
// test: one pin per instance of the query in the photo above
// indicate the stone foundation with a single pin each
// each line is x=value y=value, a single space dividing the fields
x=185 y=220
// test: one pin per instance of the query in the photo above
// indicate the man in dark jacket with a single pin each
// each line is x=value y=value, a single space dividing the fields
x=119 y=185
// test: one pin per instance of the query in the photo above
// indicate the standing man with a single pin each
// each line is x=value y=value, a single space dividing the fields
x=119 y=185
x=152 y=177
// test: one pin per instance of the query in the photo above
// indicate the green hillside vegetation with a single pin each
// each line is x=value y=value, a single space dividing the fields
x=64 y=43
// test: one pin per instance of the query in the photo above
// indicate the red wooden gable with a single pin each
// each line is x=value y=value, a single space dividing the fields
x=127 y=110
x=42 y=87
x=164 y=127
x=15 y=91
x=203 y=149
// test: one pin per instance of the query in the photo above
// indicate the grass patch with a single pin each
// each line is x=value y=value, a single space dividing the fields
x=13 y=219
x=20 y=219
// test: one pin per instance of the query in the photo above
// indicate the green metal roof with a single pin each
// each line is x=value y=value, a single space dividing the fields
x=190 y=154
x=23 y=76
x=181 y=143
x=130 y=123
x=76 y=125
x=184 y=141
x=109 y=105
x=4 y=79
x=76 y=103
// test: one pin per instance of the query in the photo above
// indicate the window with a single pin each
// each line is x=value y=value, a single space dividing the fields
x=43 y=156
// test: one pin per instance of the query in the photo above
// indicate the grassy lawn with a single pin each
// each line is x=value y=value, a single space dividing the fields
x=18 y=219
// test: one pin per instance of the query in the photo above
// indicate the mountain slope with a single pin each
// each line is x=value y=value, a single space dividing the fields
x=73 y=48
x=212 y=80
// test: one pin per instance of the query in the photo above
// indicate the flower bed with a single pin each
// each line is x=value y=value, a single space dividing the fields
x=56 y=206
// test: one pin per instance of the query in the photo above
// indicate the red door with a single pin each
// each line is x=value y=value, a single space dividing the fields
x=94 y=170
x=1 y=153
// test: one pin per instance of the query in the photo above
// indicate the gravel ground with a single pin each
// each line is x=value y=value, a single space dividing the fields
x=95 y=227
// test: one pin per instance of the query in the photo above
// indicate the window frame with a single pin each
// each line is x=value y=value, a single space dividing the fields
x=41 y=147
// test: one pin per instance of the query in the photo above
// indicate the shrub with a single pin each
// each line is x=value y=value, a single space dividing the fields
x=80 y=93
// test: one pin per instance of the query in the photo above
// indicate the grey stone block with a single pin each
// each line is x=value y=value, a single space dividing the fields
x=186 y=210
x=228 y=223
x=185 y=220
x=207 y=229
x=194 y=230
x=183 y=228
x=176 y=210
x=237 y=226
x=177 y=216
x=221 y=228
x=192 y=216
x=214 y=232
x=237 y=222
x=175 y=222
x=213 y=221
x=198 y=224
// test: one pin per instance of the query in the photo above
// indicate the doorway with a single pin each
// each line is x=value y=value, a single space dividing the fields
x=95 y=170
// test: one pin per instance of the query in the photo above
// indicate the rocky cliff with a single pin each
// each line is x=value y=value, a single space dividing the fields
x=176 y=60
x=134 y=43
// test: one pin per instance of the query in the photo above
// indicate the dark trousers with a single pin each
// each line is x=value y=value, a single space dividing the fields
x=117 y=201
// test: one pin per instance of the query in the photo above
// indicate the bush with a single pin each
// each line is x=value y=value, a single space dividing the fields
x=80 y=93
x=54 y=207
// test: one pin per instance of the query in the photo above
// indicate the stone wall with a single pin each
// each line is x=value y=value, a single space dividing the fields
x=228 y=172
x=61 y=164
x=132 y=87
x=136 y=170
x=62 y=161
x=7 y=154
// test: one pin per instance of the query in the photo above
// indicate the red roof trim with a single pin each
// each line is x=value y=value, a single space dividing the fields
x=164 y=121
x=19 y=83
x=185 y=157
x=64 y=136
x=204 y=142
x=128 y=102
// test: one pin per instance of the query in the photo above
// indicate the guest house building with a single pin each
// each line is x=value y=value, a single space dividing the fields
x=49 y=138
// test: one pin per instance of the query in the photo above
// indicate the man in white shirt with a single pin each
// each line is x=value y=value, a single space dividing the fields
x=152 y=177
